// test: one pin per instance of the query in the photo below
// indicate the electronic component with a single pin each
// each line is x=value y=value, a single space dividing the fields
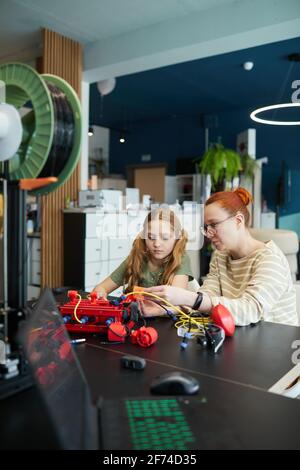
x=90 y=198
x=214 y=337
x=133 y=362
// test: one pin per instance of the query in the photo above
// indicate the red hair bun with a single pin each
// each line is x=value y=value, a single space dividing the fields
x=244 y=195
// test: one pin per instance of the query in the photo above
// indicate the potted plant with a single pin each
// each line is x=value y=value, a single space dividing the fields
x=222 y=164
x=249 y=165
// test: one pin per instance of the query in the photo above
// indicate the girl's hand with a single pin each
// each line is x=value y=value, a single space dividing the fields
x=174 y=295
x=101 y=293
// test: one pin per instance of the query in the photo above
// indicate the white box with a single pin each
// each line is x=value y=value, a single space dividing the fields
x=246 y=143
x=268 y=220
x=113 y=183
x=132 y=197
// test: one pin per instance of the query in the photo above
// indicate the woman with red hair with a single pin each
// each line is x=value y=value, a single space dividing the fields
x=250 y=278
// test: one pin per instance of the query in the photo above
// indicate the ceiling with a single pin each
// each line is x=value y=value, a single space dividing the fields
x=194 y=88
x=85 y=22
x=204 y=86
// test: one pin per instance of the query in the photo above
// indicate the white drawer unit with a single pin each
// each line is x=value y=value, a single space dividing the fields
x=96 y=249
x=119 y=248
x=109 y=225
x=33 y=292
x=91 y=221
x=36 y=249
x=135 y=223
x=34 y=265
x=95 y=273
x=114 y=264
x=35 y=273
x=95 y=244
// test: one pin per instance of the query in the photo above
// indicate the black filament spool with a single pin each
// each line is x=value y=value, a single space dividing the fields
x=63 y=137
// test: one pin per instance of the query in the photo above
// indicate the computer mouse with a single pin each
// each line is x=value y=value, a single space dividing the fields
x=174 y=383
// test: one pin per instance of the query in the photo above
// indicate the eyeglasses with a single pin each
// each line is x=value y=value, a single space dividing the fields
x=212 y=228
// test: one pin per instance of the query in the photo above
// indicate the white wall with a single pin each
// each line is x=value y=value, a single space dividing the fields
x=217 y=30
x=99 y=145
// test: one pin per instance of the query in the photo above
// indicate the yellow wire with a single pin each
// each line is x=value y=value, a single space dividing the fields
x=189 y=319
x=183 y=323
x=75 y=309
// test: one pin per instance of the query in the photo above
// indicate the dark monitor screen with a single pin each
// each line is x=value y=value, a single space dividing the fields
x=58 y=374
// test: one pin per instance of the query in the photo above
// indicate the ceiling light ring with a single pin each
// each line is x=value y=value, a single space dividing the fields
x=254 y=113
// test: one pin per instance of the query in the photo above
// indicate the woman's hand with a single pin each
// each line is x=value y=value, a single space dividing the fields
x=174 y=295
x=152 y=309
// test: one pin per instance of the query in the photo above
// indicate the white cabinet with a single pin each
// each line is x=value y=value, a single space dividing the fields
x=114 y=263
x=94 y=273
x=35 y=273
x=96 y=250
x=119 y=248
x=36 y=249
x=95 y=244
x=91 y=226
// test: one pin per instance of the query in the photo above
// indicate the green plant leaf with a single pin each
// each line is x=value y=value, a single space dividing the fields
x=249 y=165
x=220 y=163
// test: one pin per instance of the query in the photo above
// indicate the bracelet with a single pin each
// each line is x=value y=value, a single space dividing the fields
x=198 y=301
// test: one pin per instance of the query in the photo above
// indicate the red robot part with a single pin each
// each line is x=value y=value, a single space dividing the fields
x=46 y=374
x=117 y=332
x=222 y=317
x=145 y=336
x=93 y=313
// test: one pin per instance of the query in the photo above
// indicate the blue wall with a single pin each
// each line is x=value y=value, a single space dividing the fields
x=181 y=137
x=165 y=140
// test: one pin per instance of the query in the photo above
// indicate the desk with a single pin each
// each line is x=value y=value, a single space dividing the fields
x=250 y=362
x=257 y=356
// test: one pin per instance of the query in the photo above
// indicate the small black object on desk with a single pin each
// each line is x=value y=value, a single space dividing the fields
x=133 y=362
x=174 y=383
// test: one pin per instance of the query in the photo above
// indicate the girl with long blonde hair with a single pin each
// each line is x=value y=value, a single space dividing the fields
x=157 y=256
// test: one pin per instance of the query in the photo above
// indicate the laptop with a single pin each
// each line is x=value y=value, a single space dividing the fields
x=78 y=423
x=223 y=416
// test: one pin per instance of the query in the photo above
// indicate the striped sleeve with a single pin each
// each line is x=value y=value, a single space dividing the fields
x=211 y=285
x=265 y=287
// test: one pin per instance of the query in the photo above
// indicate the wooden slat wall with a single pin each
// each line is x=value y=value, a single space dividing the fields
x=62 y=57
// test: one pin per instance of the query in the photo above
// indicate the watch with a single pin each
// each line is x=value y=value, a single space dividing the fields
x=198 y=301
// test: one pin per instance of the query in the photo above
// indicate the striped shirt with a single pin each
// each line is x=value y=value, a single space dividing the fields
x=253 y=288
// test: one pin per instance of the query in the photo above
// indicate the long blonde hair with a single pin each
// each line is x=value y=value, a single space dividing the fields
x=139 y=253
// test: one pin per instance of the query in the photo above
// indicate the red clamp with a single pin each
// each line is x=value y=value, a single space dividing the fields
x=145 y=336
x=117 y=332
x=93 y=297
x=72 y=294
x=222 y=317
